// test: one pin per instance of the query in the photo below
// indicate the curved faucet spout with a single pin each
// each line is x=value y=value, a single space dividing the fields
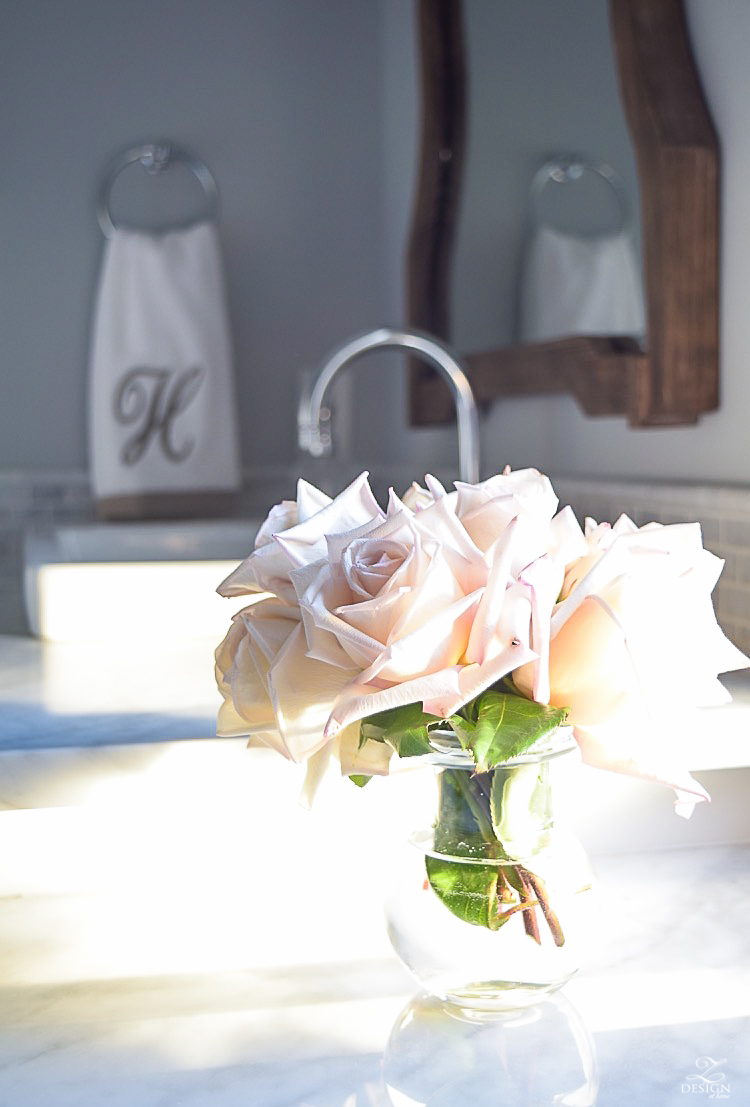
x=316 y=443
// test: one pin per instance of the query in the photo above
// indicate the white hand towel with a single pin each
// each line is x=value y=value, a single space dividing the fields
x=577 y=285
x=162 y=411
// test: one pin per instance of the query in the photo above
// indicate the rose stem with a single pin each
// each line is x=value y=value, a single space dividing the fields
x=541 y=892
x=527 y=904
x=504 y=891
x=527 y=907
x=531 y=926
x=478 y=803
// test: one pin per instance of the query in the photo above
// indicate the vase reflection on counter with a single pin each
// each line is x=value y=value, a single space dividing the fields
x=494 y=908
x=543 y=1056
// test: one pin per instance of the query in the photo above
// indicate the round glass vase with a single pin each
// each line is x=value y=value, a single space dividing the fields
x=493 y=908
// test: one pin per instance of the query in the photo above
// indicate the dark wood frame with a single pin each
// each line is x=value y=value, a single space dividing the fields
x=675 y=379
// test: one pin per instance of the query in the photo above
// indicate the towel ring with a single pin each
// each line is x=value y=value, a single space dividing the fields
x=568 y=170
x=154 y=157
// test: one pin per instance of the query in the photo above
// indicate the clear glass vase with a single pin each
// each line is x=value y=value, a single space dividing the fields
x=492 y=909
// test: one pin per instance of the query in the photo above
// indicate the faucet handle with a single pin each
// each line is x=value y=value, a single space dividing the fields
x=312 y=437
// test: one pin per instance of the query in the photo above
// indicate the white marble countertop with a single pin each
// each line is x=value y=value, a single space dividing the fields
x=97 y=1004
x=176 y=932
x=58 y=694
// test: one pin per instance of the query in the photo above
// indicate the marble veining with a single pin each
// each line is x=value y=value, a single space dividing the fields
x=668 y=984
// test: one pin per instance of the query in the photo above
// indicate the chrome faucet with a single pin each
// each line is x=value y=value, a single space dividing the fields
x=311 y=414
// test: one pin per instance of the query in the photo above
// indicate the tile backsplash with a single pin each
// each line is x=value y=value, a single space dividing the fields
x=32 y=500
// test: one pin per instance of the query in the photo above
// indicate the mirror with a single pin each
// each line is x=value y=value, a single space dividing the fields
x=669 y=378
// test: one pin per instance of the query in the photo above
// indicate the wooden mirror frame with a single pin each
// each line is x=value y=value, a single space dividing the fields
x=675 y=378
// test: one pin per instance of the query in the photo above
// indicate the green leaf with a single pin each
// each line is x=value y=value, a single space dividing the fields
x=505 y=725
x=468 y=891
x=404 y=728
x=359 y=779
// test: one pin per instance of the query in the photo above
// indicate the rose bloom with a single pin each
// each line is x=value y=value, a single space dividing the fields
x=634 y=645
x=372 y=609
x=442 y=594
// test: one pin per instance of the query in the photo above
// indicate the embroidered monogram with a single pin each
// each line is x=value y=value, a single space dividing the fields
x=149 y=400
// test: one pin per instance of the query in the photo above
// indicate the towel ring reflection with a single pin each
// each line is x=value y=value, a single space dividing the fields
x=154 y=157
x=568 y=170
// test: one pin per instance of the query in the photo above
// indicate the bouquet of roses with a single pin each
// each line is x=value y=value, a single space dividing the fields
x=486 y=610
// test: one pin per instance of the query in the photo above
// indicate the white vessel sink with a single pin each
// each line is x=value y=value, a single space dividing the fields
x=122 y=581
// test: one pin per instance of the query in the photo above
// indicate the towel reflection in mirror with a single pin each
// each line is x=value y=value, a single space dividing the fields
x=578 y=281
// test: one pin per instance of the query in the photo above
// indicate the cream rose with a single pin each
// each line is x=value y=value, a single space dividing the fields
x=427 y=613
x=634 y=644
x=438 y=597
x=278 y=696
x=386 y=608
x=304 y=525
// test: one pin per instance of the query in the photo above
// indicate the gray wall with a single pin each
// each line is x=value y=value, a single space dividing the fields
x=305 y=111
x=281 y=98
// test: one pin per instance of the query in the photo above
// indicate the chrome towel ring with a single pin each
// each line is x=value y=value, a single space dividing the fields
x=154 y=157
x=568 y=170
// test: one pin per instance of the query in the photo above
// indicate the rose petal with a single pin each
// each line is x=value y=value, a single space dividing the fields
x=336 y=543
x=436 y=591
x=241 y=676
x=321 y=645
x=435 y=488
x=230 y=724
x=280 y=517
x=268 y=624
x=484 y=627
x=374 y=618
x=249 y=693
x=625 y=525
x=310 y=501
x=368 y=566
x=317 y=766
x=474 y=679
x=441 y=693
x=514 y=623
x=531 y=490
x=568 y=540
x=413 y=499
x=544 y=580
x=352 y=508
x=359 y=700
x=698 y=650
x=465 y=559
x=590 y=669
x=265 y=570
x=322 y=624
x=641 y=753
x=438 y=643
x=302 y=692
x=612 y=563
x=370 y=759
x=485 y=522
